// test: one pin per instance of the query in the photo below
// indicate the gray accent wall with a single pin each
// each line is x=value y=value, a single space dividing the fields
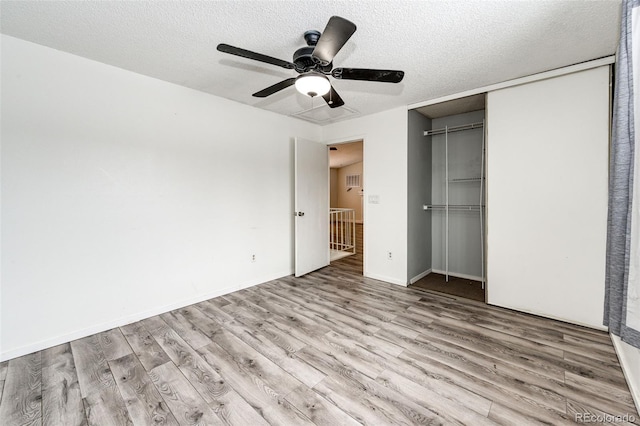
x=419 y=193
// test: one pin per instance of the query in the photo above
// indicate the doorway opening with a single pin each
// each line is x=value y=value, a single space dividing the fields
x=346 y=191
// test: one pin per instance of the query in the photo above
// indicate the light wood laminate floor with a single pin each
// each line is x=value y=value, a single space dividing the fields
x=331 y=348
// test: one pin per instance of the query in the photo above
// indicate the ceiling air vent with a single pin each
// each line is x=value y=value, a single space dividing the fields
x=322 y=114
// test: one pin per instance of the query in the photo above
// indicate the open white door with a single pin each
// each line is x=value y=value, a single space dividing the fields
x=311 y=206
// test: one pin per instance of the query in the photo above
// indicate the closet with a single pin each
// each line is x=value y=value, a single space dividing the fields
x=518 y=203
x=447 y=177
x=457 y=197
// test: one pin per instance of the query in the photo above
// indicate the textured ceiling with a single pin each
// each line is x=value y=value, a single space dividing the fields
x=345 y=154
x=444 y=47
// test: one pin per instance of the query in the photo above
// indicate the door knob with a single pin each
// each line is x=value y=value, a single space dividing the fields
x=298 y=214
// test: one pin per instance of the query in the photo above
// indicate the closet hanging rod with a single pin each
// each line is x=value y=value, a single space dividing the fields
x=457 y=207
x=451 y=129
x=466 y=179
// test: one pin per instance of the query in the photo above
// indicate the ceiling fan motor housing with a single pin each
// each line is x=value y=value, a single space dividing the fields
x=312 y=37
x=303 y=59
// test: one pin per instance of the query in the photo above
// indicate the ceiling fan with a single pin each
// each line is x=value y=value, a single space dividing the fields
x=314 y=63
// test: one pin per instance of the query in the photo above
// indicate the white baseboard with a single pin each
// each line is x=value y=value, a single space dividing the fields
x=128 y=319
x=262 y=280
x=385 y=279
x=457 y=275
x=631 y=374
x=420 y=276
x=527 y=310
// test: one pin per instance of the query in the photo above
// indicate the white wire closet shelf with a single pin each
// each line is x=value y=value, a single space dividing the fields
x=470 y=126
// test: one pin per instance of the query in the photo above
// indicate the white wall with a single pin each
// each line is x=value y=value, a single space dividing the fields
x=547 y=173
x=124 y=196
x=333 y=188
x=385 y=172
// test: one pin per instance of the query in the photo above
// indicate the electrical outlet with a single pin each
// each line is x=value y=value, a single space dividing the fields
x=389 y=256
x=253 y=258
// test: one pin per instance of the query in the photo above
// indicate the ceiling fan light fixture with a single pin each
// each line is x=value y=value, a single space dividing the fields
x=313 y=84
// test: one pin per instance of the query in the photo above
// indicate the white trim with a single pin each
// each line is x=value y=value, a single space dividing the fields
x=386 y=279
x=608 y=60
x=262 y=280
x=128 y=319
x=458 y=275
x=350 y=139
x=632 y=382
x=420 y=276
x=553 y=317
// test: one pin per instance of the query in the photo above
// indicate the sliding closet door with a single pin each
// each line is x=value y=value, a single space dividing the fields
x=547 y=162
